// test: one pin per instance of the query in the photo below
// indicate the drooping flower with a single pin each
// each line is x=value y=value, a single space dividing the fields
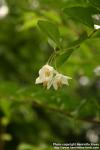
x=59 y=80
x=48 y=76
x=45 y=76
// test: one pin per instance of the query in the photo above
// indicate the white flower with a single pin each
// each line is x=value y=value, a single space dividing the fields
x=97 y=71
x=45 y=76
x=59 y=80
x=48 y=76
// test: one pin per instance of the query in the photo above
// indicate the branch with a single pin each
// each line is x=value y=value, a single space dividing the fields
x=62 y=112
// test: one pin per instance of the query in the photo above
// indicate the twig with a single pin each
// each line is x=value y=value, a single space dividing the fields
x=78 y=45
x=62 y=112
x=91 y=34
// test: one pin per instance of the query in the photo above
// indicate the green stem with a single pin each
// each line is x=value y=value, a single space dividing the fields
x=51 y=57
x=91 y=34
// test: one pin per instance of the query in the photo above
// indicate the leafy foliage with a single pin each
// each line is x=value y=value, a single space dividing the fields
x=30 y=115
x=81 y=14
x=95 y=3
x=51 y=30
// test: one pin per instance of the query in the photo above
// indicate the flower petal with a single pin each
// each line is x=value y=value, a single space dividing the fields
x=49 y=84
x=38 y=81
x=55 y=85
x=65 y=80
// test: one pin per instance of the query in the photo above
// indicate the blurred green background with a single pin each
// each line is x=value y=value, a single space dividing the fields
x=31 y=117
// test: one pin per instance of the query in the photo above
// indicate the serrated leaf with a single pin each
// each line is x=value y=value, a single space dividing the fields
x=51 y=30
x=80 y=14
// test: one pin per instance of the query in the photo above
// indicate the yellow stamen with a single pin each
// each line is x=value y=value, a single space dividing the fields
x=47 y=73
x=59 y=83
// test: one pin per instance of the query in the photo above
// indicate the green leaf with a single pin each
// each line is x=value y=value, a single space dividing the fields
x=81 y=39
x=5 y=107
x=62 y=58
x=71 y=47
x=64 y=3
x=51 y=30
x=25 y=146
x=74 y=3
x=80 y=14
x=97 y=34
x=95 y=3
